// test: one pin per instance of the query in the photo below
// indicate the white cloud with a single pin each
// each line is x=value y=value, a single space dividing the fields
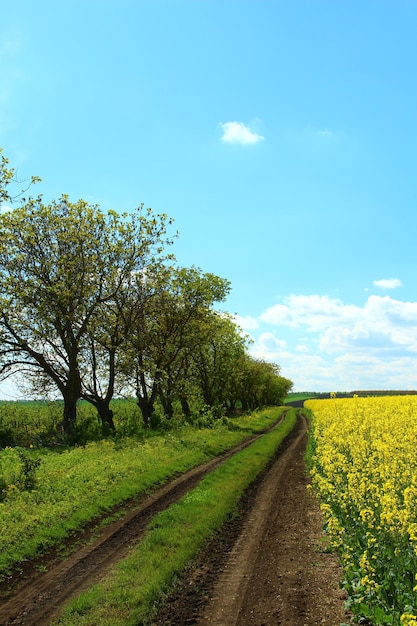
x=267 y=346
x=325 y=133
x=309 y=372
x=313 y=137
x=373 y=346
x=269 y=343
x=315 y=312
x=381 y=320
x=385 y=326
x=237 y=132
x=388 y=283
x=246 y=323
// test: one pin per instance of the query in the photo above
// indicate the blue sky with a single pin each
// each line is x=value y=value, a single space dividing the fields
x=279 y=135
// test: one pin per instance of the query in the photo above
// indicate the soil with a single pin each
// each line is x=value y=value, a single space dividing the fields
x=269 y=565
x=266 y=567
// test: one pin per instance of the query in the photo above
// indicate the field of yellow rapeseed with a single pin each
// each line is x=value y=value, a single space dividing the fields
x=364 y=471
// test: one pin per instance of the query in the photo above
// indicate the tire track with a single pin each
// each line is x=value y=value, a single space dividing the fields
x=232 y=587
x=268 y=565
x=38 y=600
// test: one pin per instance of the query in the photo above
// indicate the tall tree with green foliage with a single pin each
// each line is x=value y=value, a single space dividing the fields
x=61 y=265
x=169 y=308
x=217 y=360
x=7 y=178
x=192 y=295
x=262 y=384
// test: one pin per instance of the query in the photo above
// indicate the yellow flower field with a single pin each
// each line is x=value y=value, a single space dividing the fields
x=365 y=474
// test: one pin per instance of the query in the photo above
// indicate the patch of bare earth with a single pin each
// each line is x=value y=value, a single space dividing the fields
x=268 y=566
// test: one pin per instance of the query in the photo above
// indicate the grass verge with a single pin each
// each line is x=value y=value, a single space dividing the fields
x=129 y=594
x=77 y=486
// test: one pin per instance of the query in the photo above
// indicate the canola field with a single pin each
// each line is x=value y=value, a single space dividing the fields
x=364 y=471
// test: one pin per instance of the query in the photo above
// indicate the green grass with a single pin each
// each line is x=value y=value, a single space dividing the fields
x=305 y=395
x=129 y=595
x=78 y=485
x=35 y=422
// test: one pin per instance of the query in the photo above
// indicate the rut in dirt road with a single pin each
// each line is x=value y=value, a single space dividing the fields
x=38 y=598
x=271 y=571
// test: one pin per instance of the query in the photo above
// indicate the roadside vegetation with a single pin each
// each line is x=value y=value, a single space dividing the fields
x=364 y=470
x=47 y=495
x=94 y=306
x=132 y=591
x=137 y=375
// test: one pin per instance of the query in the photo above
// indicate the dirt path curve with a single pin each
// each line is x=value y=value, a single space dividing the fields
x=267 y=567
x=33 y=597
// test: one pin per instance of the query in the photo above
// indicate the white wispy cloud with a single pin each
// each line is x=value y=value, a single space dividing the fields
x=373 y=346
x=388 y=283
x=311 y=142
x=325 y=133
x=246 y=323
x=309 y=134
x=314 y=311
x=268 y=342
x=338 y=324
x=237 y=132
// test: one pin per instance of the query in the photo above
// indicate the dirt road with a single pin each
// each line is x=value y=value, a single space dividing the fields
x=265 y=568
x=35 y=592
x=268 y=567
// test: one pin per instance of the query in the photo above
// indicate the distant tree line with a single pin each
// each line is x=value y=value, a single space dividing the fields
x=93 y=306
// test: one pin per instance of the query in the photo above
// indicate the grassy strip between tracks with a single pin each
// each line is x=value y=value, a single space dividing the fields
x=78 y=485
x=128 y=596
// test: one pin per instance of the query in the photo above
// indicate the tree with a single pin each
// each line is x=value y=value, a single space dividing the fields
x=61 y=267
x=217 y=360
x=192 y=295
x=262 y=384
x=98 y=360
x=7 y=177
x=170 y=305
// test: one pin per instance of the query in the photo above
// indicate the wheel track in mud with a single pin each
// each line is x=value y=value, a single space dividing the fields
x=267 y=566
x=37 y=599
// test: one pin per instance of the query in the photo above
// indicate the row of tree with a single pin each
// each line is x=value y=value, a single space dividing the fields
x=93 y=306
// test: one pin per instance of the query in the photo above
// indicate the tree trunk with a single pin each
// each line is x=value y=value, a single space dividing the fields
x=185 y=406
x=167 y=405
x=245 y=405
x=146 y=407
x=106 y=416
x=70 y=415
x=231 y=408
x=71 y=394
